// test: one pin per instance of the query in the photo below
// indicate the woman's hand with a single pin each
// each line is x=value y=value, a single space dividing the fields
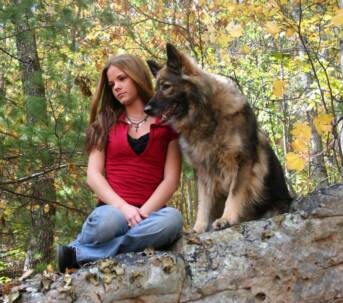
x=143 y=213
x=131 y=214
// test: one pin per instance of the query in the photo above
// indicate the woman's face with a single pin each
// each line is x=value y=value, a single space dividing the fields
x=123 y=88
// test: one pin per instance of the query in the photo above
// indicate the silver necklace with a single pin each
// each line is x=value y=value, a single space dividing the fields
x=136 y=124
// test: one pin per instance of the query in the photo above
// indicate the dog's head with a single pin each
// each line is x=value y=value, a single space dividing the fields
x=173 y=88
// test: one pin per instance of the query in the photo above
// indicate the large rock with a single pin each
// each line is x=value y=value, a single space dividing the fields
x=296 y=257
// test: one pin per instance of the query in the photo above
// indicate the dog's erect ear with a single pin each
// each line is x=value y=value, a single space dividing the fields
x=174 y=59
x=154 y=67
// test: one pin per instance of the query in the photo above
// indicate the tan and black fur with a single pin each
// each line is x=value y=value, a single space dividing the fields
x=239 y=176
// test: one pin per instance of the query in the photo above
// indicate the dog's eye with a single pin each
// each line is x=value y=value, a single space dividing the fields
x=165 y=86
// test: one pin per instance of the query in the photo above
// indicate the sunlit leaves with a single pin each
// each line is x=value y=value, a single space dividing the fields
x=302 y=131
x=46 y=208
x=301 y=145
x=295 y=162
x=272 y=28
x=290 y=32
x=337 y=20
x=256 y=43
x=235 y=30
x=278 y=88
x=323 y=123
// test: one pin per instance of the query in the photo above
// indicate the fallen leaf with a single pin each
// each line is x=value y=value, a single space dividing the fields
x=148 y=252
x=67 y=279
x=92 y=278
x=50 y=268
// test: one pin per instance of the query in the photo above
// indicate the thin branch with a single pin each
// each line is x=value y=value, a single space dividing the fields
x=34 y=176
x=12 y=56
x=302 y=39
x=8 y=134
x=42 y=199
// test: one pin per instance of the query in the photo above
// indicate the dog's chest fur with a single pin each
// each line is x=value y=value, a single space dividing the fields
x=196 y=154
x=210 y=140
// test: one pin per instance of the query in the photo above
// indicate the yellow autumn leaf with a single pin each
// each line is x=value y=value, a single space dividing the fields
x=46 y=208
x=230 y=7
x=272 y=28
x=337 y=20
x=278 y=88
x=8 y=211
x=294 y=162
x=290 y=32
x=299 y=145
x=2 y=204
x=323 y=123
x=72 y=168
x=98 y=66
x=245 y=49
x=301 y=131
x=235 y=30
x=50 y=268
x=36 y=207
x=223 y=39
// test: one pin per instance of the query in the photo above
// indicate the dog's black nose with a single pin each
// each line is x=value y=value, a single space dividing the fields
x=148 y=109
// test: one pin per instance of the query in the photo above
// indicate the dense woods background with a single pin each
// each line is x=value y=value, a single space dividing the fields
x=285 y=56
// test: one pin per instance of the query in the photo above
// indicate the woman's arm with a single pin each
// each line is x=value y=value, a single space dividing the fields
x=170 y=183
x=98 y=183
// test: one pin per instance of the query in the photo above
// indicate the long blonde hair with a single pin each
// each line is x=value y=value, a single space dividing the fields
x=105 y=107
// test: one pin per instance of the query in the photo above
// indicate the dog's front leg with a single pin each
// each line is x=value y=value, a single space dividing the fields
x=204 y=207
x=232 y=211
x=234 y=205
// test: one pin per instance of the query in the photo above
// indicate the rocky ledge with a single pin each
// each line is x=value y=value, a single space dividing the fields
x=295 y=257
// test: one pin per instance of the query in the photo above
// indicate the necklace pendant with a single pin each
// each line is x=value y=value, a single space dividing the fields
x=137 y=124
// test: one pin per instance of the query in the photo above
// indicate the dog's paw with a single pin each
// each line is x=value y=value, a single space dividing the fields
x=221 y=223
x=189 y=232
x=199 y=228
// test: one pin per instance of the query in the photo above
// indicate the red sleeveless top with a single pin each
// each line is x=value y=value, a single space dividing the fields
x=135 y=177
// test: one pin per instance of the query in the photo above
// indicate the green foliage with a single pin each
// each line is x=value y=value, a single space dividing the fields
x=40 y=267
x=256 y=43
x=4 y=280
x=3 y=265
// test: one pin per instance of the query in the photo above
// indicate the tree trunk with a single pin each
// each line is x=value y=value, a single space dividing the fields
x=2 y=72
x=318 y=164
x=319 y=172
x=341 y=42
x=189 y=202
x=42 y=214
x=340 y=126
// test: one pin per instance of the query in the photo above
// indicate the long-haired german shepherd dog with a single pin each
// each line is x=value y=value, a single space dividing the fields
x=239 y=176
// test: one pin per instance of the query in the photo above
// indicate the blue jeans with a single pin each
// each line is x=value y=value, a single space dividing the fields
x=105 y=233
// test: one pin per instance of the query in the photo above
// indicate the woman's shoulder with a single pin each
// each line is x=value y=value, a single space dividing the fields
x=166 y=128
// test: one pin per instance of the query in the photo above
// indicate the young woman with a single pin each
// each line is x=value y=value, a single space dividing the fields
x=134 y=168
